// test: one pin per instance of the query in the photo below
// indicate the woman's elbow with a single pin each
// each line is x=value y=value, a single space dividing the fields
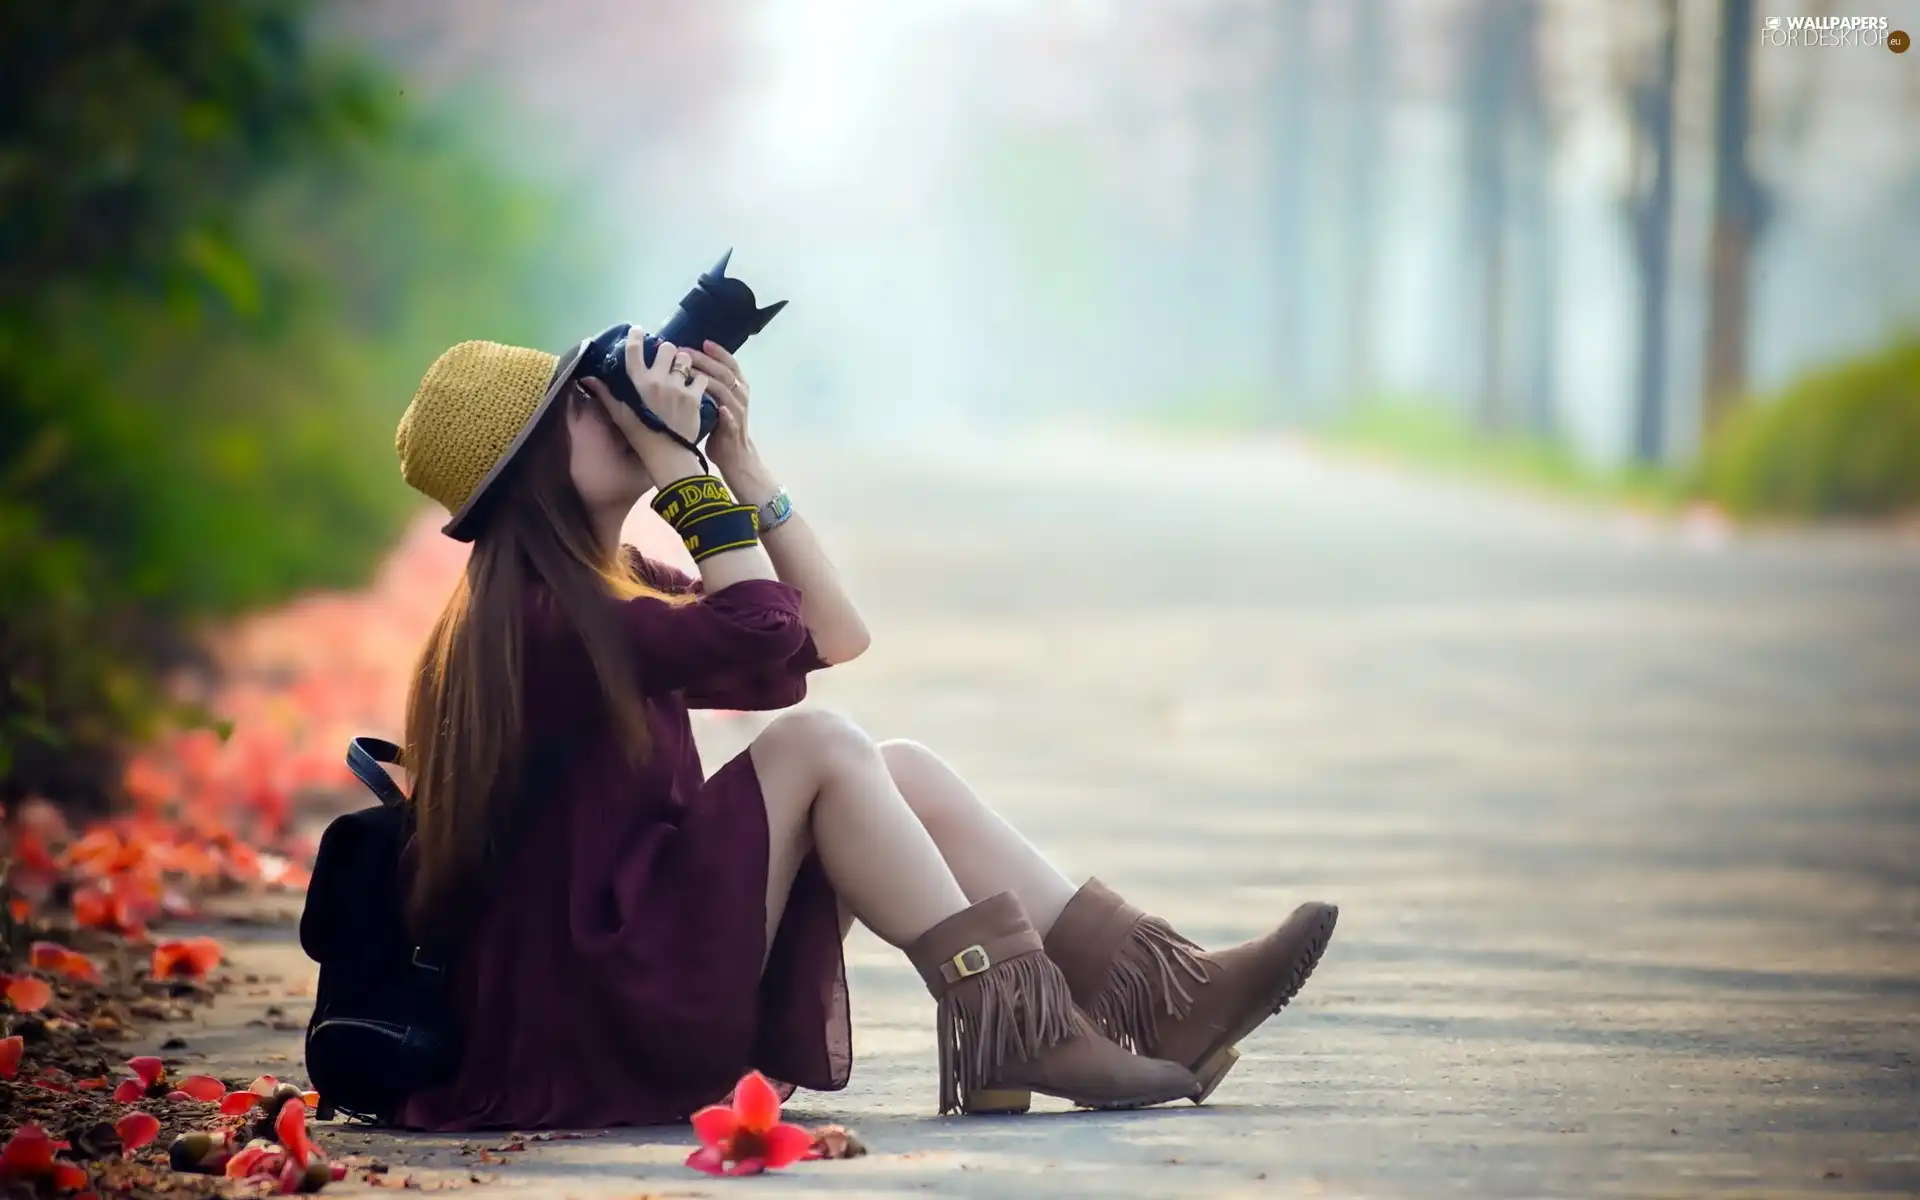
x=844 y=647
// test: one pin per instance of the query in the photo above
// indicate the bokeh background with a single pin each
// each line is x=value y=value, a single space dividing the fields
x=1455 y=458
x=1629 y=250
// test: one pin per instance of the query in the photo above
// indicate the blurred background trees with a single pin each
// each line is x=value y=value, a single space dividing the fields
x=225 y=255
x=1622 y=245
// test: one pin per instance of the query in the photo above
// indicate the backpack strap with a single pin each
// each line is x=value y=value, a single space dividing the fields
x=364 y=758
x=367 y=758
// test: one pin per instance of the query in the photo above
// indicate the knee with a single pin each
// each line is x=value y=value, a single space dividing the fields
x=908 y=761
x=825 y=741
x=918 y=772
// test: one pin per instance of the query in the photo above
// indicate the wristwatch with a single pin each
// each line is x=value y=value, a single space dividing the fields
x=776 y=512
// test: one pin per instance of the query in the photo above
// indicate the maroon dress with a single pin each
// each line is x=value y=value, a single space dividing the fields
x=615 y=978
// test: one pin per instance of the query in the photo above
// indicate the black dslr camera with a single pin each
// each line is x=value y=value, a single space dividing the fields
x=717 y=309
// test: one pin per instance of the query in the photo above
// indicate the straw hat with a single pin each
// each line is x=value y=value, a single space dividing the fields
x=470 y=415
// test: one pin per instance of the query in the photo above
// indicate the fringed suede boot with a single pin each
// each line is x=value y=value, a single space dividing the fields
x=1158 y=994
x=1008 y=1026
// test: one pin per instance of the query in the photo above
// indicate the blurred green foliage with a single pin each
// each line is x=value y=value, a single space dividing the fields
x=1438 y=437
x=226 y=255
x=1839 y=442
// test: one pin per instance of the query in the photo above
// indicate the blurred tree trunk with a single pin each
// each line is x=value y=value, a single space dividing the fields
x=1533 y=202
x=1653 y=234
x=1488 y=99
x=1369 y=85
x=1289 y=113
x=1736 y=213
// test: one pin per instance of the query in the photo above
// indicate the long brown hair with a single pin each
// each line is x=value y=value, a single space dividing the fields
x=464 y=748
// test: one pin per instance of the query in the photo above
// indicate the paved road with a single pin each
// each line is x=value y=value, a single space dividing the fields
x=1624 y=821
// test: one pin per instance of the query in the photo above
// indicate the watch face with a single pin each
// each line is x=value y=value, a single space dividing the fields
x=780 y=504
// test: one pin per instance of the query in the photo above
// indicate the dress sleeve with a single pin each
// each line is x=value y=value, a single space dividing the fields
x=743 y=648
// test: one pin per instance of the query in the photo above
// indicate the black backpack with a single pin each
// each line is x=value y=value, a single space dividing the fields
x=382 y=1028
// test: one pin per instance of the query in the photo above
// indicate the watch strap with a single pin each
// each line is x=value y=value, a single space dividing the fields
x=776 y=511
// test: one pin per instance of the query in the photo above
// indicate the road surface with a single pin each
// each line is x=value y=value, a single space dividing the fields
x=1623 y=819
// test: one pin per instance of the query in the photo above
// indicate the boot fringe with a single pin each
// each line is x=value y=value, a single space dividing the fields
x=1145 y=982
x=1015 y=1010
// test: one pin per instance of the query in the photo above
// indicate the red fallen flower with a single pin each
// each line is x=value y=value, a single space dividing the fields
x=26 y=993
x=263 y=1086
x=28 y=1154
x=57 y=959
x=242 y=1163
x=291 y=1128
x=747 y=1137
x=148 y=1068
x=11 y=1048
x=136 y=1129
x=235 y=1103
x=97 y=908
x=204 y=1088
x=67 y=1177
x=129 y=1091
x=191 y=959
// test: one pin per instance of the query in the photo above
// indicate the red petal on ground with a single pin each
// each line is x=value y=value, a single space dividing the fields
x=715 y=1126
x=136 y=1129
x=67 y=1177
x=291 y=1127
x=241 y=1164
x=79 y=966
x=338 y=1171
x=235 y=1103
x=148 y=1068
x=177 y=1094
x=786 y=1144
x=28 y=995
x=93 y=909
x=292 y=1175
x=10 y=1051
x=185 y=960
x=90 y=1085
x=263 y=1086
x=21 y=909
x=47 y=956
x=28 y=1154
x=129 y=1091
x=707 y=1159
x=748 y=1166
x=204 y=1088
x=756 y=1103
x=31 y=854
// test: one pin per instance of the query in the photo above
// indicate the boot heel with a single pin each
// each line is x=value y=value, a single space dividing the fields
x=1212 y=1071
x=997 y=1101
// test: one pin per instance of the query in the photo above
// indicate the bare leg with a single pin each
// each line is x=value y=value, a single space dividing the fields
x=827 y=788
x=985 y=854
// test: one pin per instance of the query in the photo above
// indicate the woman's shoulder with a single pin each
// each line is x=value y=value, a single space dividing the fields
x=658 y=575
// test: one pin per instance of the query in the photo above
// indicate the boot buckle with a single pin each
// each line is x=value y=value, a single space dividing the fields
x=971 y=961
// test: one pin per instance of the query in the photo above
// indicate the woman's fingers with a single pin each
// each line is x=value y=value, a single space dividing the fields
x=727 y=384
x=660 y=370
x=621 y=416
x=723 y=355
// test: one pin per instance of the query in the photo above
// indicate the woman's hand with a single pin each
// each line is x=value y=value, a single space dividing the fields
x=730 y=448
x=670 y=387
x=673 y=398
